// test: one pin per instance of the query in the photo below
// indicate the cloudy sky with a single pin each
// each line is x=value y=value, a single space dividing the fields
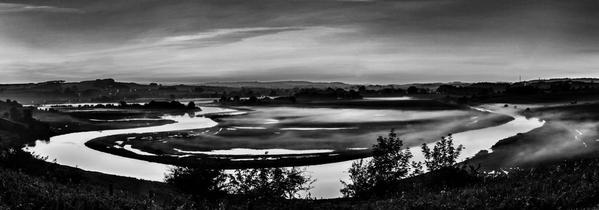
x=357 y=41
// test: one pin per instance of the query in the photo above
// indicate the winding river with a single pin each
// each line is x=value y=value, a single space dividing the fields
x=70 y=149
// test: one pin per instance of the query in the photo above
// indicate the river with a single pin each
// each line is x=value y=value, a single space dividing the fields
x=70 y=149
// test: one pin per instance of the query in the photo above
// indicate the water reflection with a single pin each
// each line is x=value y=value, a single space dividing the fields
x=69 y=149
x=329 y=175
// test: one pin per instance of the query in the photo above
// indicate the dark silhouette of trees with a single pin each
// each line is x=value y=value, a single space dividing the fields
x=362 y=89
x=329 y=93
x=522 y=90
x=15 y=114
x=191 y=105
x=269 y=183
x=252 y=184
x=253 y=99
x=412 y=90
x=389 y=164
x=199 y=181
x=444 y=154
x=198 y=89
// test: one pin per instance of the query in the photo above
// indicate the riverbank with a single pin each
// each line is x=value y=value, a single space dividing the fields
x=121 y=165
x=343 y=132
x=31 y=182
x=571 y=132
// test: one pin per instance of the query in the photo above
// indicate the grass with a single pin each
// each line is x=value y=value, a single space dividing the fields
x=21 y=191
x=564 y=185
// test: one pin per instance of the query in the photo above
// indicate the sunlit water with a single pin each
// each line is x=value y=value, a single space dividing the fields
x=401 y=98
x=246 y=151
x=70 y=149
x=329 y=175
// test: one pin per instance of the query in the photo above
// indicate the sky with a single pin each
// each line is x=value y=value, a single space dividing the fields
x=354 y=41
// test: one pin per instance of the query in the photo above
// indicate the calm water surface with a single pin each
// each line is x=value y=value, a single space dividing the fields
x=70 y=149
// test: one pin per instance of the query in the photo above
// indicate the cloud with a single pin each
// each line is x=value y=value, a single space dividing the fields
x=228 y=32
x=386 y=41
x=13 y=7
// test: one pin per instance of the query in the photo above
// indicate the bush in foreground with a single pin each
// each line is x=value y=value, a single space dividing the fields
x=390 y=163
x=211 y=185
x=382 y=176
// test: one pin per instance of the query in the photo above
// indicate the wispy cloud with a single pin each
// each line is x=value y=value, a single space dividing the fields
x=379 y=41
x=13 y=7
x=227 y=32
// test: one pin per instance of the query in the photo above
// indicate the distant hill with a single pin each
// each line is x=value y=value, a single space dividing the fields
x=431 y=85
x=280 y=84
x=109 y=90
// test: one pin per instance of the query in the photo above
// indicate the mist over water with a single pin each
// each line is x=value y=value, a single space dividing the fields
x=69 y=149
x=473 y=142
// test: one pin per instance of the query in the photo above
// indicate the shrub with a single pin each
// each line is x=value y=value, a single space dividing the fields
x=382 y=176
x=254 y=184
x=443 y=154
x=390 y=163
x=198 y=181
x=269 y=183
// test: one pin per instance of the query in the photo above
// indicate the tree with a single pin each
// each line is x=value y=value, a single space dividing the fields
x=412 y=90
x=255 y=184
x=269 y=183
x=390 y=163
x=199 y=181
x=253 y=99
x=191 y=105
x=361 y=183
x=443 y=154
x=362 y=89
x=15 y=114
x=224 y=99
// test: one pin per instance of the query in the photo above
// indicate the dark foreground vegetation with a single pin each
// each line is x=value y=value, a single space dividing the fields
x=391 y=181
x=568 y=184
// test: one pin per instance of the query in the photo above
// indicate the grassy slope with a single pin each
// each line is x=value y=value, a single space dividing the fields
x=563 y=185
x=27 y=182
x=69 y=188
